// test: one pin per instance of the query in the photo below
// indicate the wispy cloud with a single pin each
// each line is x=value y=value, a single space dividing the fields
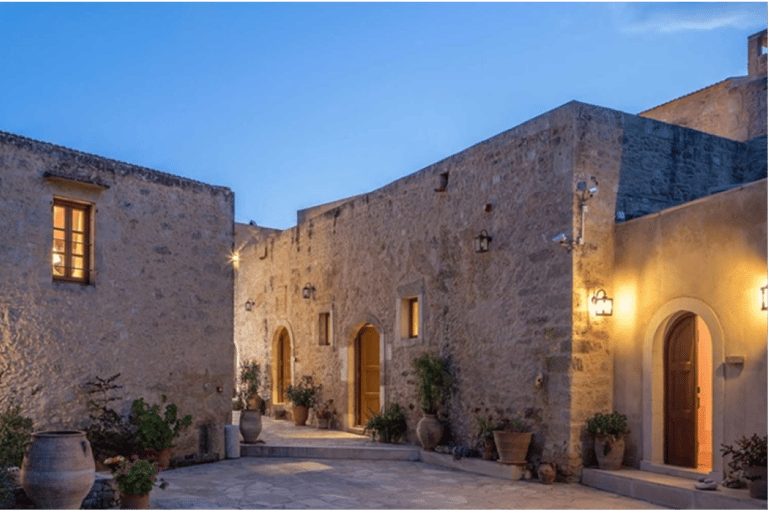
x=637 y=18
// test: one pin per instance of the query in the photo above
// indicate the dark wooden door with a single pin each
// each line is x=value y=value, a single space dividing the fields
x=367 y=372
x=680 y=397
x=283 y=365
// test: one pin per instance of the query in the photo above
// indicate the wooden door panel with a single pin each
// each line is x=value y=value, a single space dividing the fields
x=680 y=404
x=368 y=374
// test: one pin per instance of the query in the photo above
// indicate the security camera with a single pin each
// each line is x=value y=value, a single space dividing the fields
x=561 y=238
x=592 y=191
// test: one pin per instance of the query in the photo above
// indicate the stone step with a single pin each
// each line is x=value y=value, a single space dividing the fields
x=331 y=452
x=666 y=490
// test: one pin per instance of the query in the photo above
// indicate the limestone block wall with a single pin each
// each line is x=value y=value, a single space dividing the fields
x=707 y=257
x=158 y=309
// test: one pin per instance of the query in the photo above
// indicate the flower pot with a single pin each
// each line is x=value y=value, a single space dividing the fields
x=547 y=472
x=615 y=452
x=488 y=448
x=162 y=458
x=58 y=469
x=512 y=446
x=756 y=481
x=250 y=425
x=429 y=431
x=134 y=501
x=300 y=415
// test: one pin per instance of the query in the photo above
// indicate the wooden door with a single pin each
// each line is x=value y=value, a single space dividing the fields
x=283 y=365
x=367 y=372
x=680 y=400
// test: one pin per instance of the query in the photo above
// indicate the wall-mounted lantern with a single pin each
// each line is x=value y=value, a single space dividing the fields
x=482 y=242
x=308 y=291
x=249 y=305
x=764 y=297
x=603 y=305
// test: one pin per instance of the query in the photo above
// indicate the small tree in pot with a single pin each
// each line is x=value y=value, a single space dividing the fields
x=609 y=431
x=749 y=458
x=253 y=405
x=303 y=397
x=155 y=432
x=434 y=382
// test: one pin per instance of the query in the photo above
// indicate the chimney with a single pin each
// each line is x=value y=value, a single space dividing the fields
x=757 y=45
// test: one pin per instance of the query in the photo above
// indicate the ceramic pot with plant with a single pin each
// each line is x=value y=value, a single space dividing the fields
x=748 y=458
x=609 y=432
x=135 y=479
x=487 y=444
x=389 y=426
x=512 y=441
x=155 y=432
x=303 y=396
x=434 y=382
x=253 y=405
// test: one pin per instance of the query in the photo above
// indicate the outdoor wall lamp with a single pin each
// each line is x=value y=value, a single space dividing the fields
x=482 y=241
x=764 y=296
x=308 y=291
x=249 y=305
x=603 y=305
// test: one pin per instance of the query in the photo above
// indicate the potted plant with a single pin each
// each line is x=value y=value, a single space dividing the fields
x=303 y=397
x=389 y=426
x=512 y=440
x=253 y=405
x=609 y=431
x=155 y=432
x=135 y=480
x=487 y=428
x=108 y=432
x=434 y=383
x=325 y=413
x=15 y=432
x=749 y=459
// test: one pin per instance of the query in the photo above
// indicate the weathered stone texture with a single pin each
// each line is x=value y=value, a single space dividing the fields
x=158 y=309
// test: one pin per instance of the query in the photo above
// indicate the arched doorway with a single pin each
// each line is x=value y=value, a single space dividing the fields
x=282 y=365
x=688 y=393
x=367 y=377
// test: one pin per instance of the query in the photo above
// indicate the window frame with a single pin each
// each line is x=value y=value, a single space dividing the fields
x=69 y=234
x=324 y=326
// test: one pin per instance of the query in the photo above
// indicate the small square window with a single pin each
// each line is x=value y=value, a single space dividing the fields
x=71 y=241
x=324 y=329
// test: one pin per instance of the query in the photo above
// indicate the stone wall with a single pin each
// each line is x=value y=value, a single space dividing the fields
x=158 y=309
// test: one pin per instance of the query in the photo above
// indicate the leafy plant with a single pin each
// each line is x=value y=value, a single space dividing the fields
x=748 y=452
x=108 y=432
x=137 y=476
x=250 y=383
x=153 y=430
x=324 y=409
x=389 y=426
x=434 y=380
x=305 y=393
x=487 y=427
x=15 y=431
x=613 y=426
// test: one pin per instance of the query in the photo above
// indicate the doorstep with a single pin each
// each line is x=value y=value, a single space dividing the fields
x=668 y=490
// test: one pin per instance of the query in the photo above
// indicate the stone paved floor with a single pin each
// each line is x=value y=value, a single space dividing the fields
x=275 y=483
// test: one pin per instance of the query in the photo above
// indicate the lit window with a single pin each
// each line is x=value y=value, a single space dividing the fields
x=413 y=317
x=325 y=328
x=71 y=241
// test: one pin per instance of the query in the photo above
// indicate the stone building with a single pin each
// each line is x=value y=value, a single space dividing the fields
x=675 y=235
x=111 y=268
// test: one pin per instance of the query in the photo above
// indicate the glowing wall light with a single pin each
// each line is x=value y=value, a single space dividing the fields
x=603 y=306
x=482 y=242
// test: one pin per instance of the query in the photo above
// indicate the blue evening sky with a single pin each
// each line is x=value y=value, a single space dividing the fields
x=296 y=104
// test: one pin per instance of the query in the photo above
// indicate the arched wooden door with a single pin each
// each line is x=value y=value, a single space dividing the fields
x=367 y=374
x=283 y=365
x=680 y=393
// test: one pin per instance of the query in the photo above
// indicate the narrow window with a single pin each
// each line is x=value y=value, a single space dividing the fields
x=325 y=328
x=413 y=317
x=71 y=241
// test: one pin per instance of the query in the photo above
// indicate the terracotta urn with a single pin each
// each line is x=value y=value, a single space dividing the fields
x=250 y=425
x=512 y=447
x=609 y=452
x=134 y=501
x=547 y=472
x=429 y=431
x=300 y=415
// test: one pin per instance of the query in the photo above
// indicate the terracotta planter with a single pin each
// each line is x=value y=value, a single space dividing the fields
x=488 y=448
x=613 y=459
x=429 y=430
x=162 y=458
x=58 y=469
x=756 y=481
x=547 y=472
x=134 y=501
x=300 y=415
x=250 y=425
x=512 y=446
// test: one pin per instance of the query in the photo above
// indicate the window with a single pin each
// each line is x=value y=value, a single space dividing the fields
x=413 y=317
x=71 y=241
x=325 y=328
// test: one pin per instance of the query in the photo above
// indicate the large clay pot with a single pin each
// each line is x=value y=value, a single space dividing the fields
x=429 y=430
x=300 y=415
x=250 y=425
x=512 y=447
x=58 y=469
x=134 y=501
x=488 y=448
x=547 y=472
x=162 y=458
x=756 y=481
x=615 y=448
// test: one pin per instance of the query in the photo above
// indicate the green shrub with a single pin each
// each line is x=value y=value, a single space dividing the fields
x=613 y=425
x=434 y=380
x=389 y=426
x=748 y=452
x=153 y=430
x=15 y=431
x=305 y=393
